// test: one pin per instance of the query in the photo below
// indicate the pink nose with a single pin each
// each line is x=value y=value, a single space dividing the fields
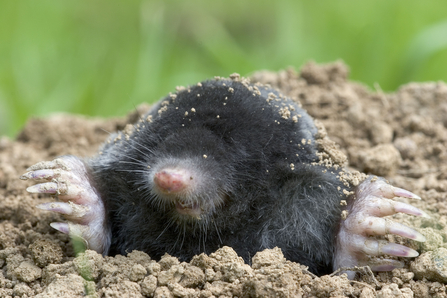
x=171 y=180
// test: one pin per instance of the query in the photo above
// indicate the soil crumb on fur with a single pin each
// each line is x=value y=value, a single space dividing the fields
x=401 y=136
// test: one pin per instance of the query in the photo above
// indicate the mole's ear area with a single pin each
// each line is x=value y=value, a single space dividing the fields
x=373 y=200
x=67 y=178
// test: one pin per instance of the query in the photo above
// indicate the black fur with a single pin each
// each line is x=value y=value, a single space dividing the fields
x=250 y=148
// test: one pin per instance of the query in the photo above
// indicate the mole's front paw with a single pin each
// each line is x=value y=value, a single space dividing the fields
x=372 y=201
x=68 y=179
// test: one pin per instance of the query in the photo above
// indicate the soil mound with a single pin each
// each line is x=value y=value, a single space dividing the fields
x=401 y=136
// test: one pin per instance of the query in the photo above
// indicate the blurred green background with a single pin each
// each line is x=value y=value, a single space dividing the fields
x=104 y=57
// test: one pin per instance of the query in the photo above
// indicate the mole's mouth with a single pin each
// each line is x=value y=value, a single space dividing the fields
x=191 y=208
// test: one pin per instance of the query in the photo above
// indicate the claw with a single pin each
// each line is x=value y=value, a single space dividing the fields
x=409 y=209
x=383 y=207
x=382 y=247
x=400 y=192
x=39 y=175
x=61 y=227
x=59 y=187
x=385 y=190
x=397 y=250
x=75 y=211
x=385 y=265
x=69 y=228
x=63 y=208
x=49 y=187
x=404 y=231
x=380 y=226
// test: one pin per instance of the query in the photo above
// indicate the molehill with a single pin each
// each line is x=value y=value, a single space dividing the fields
x=401 y=136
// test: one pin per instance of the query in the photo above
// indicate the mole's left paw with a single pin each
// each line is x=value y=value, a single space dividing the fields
x=355 y=243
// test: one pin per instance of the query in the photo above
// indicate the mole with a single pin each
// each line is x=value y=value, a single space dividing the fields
x=224 y=163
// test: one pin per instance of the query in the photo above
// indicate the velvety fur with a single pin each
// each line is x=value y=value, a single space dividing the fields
x=256 y=199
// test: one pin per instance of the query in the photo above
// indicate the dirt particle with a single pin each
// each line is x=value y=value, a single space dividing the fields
x=406 y=146
x=162 y=109
x=382 y=160
x=138 y=272
x=163 y=292
x=23 y=290
x=125 y=288
x=268 y=257
x=148 y=285
x=318 y=74
x=193 y=277
x=89 y=264
x=235 y=77
x=66 y=286
x=28 y=272
x=284 y=113
x=431 y=265
x=45 y=252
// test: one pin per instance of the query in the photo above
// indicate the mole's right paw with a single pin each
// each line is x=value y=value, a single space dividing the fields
x=355 y=240
x=68 y=179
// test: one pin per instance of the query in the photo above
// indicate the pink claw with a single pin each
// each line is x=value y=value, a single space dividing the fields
x=398 y=250
x=404 y=231
x=386 y=265
x=59 y=207
x=38 y=175
x=61 y=227
x=400 y=192
x=372 y=225
x=409 y=209
x=49 y=187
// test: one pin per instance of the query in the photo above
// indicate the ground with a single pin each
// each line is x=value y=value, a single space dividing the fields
x=401 y=136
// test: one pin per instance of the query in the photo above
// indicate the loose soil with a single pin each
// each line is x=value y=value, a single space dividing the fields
x=401 y=136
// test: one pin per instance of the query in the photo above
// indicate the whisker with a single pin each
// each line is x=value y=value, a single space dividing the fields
x=138 y=162
x=144 y=153
x=184 y=236
x=145 y=147
x=132 y=171
x=217 y=231
x=105 y=130
x=169 y=224
x=175 y=243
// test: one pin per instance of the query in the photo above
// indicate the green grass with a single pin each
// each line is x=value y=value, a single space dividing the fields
x=104 y=57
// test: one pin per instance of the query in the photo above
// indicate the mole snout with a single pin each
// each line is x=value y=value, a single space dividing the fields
x=172 y=180
x=175 y=185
